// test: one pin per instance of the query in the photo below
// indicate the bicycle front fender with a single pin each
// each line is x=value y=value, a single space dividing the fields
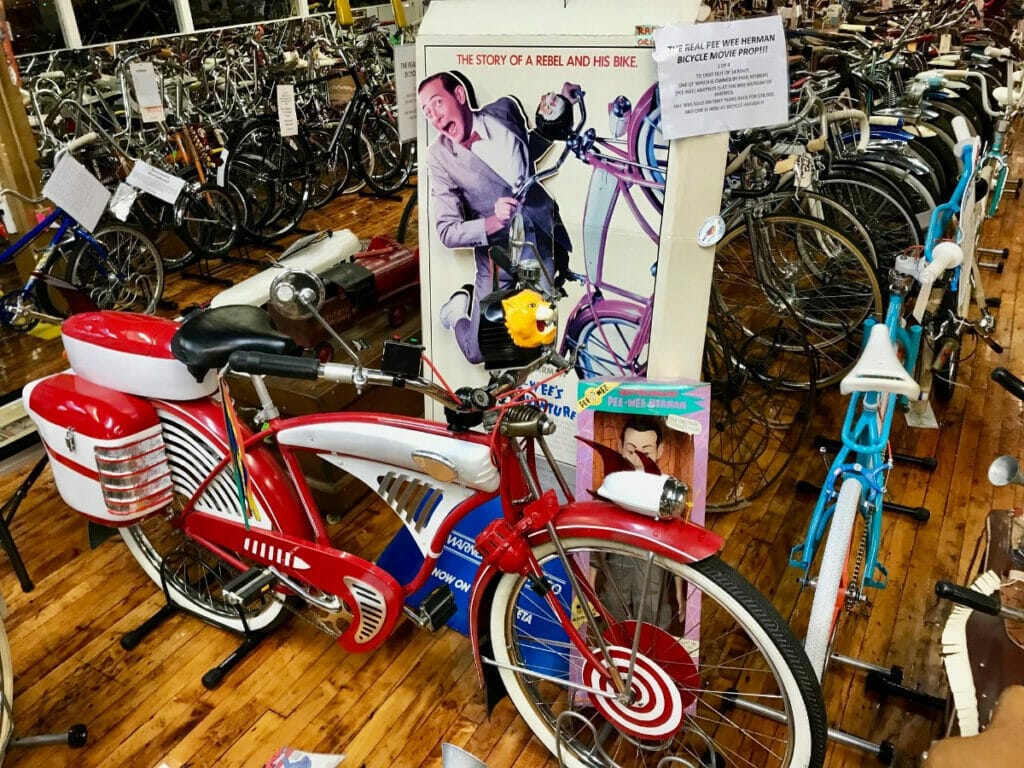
x=677 y=540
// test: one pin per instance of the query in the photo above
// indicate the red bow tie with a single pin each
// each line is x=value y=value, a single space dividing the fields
x=473 y=137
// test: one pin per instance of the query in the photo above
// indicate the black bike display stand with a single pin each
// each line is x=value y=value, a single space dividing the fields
x=251 y=639
x=203 y=272
x=7 y=516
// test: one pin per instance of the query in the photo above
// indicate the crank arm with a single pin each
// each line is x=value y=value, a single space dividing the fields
x=42 y=316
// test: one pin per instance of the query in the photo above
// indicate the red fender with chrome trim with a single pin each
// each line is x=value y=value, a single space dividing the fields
x=677 y=539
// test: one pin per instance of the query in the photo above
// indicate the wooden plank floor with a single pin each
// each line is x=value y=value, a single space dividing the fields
x=395 y=707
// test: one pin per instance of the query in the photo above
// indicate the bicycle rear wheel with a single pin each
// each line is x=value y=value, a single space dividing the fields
x=409 y=225
x=889 y=223
x=273 y=171
x=128 y=277
x=194 y=579
x=603 y=345
x=719 y=678
x=207 y=220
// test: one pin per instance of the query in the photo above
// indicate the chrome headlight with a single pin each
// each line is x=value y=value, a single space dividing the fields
x=673 y=497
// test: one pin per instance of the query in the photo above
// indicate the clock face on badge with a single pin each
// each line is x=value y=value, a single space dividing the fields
x=711 y=231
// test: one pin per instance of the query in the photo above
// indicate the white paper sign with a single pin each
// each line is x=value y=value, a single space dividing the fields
x=405 y=91
x=286 y=116
x=124 y=198
x=147 y=91
x=72 y=188
x=160 y=184
x=721 y=76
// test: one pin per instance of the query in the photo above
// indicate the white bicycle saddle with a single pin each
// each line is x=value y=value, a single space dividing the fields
x=1002 y=95
x=878 y=369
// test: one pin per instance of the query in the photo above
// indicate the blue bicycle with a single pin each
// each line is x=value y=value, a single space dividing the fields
x=115 y=267
x=856 y=480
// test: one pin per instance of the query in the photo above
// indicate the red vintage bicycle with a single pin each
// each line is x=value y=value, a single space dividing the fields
x=614 y=608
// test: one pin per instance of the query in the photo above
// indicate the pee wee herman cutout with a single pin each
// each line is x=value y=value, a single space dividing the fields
x=479 y=162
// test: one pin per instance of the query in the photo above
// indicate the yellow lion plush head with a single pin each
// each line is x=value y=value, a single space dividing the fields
x=530 y=319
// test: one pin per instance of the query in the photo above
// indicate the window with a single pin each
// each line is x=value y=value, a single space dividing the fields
x=218 y=13
x=104 y=21
x=34 y=25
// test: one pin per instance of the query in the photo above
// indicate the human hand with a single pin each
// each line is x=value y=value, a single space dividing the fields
x=505 y=208
x=571 y=91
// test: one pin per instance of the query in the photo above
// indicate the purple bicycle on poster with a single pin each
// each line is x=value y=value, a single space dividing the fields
x=609 y=328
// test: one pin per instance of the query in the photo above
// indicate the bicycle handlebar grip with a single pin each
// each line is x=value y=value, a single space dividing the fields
x=275 y=365
x=997 y=53
x=969 y=598
x=945 y=255
x=1009 y=382
x=960 y=129
x=81 y=141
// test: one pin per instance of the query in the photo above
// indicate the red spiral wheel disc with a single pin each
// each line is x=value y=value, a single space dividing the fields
x=664 y=680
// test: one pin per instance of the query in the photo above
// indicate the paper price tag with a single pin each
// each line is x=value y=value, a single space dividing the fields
x=147 y=92
x=155 y=182
x=222 y=169
x=804 y=171
x=122 y=201
x=286 y=117
x=78 y=192
x=945 y=43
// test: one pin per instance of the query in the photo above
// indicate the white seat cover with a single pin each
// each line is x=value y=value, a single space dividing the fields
x=879 y=369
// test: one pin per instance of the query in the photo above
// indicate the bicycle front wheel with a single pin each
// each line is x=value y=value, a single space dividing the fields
x=825 y=607
x=207 y=220
x=605 y=346
x=796 y=267
x=128 y=277
x=717 y=677
x=387 y=169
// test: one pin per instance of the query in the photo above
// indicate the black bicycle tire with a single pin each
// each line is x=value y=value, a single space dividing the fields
x=389 y=174
x=197 y=248
x=411 y=205
x=279 y=219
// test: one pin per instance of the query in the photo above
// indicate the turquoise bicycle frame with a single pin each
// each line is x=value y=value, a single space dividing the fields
x=865 y=436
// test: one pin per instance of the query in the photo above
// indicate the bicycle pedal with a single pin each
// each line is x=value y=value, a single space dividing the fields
x=437 y=608
x=248 y=585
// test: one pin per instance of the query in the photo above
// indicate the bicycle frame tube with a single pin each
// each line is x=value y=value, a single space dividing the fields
x=865 y=437
x=65 y=223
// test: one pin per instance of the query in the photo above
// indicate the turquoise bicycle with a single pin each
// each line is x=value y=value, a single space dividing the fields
x=855 y=486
